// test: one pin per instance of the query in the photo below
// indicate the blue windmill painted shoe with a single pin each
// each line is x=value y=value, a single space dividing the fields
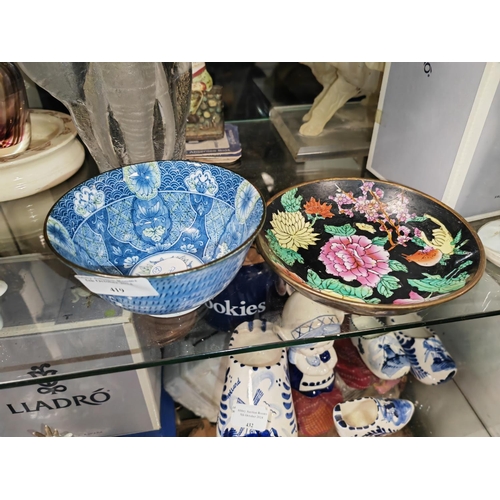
x=430 y=362
x=382 y=354
x=371 y=417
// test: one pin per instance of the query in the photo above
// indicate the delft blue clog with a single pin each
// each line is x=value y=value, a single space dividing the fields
x=430 y=362
x=373 y=417
x=382 y=354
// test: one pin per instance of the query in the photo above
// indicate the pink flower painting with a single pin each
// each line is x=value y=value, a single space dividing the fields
x=355 y=258
x=414 y=297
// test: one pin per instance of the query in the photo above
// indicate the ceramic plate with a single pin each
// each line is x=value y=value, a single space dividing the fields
x=490 y=236
x=50 y=130
x=370 y=247
x=54 y=155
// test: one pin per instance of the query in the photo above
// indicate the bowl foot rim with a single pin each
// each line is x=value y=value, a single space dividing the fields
x=173 y=315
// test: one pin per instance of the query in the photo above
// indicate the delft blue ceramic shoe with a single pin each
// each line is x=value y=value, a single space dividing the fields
x=430 y=362
x=382 y=354
x=256 y=381
x=367 y=417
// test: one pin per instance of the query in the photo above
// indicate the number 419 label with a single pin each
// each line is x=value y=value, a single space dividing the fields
x=133 y=287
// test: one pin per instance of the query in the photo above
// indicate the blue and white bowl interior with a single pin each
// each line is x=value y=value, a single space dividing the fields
x=154 y=219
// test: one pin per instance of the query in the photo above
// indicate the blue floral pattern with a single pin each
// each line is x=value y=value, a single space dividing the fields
x=60 y=237
x=130 y=262
x=115 y=221
x=88 y=200
x=143 y=180
x=246 y=198
x=202 y=182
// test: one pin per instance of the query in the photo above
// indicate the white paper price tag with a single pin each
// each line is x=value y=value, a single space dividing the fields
x=133 y=287
x=249 y=417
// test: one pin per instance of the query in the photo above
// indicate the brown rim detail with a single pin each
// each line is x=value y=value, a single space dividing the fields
x=375 y=308
x=157 y=276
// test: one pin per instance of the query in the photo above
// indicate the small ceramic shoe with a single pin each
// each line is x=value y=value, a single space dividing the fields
x=382 y=354
x=366 y=417
x=258 y=380
x=430 y=362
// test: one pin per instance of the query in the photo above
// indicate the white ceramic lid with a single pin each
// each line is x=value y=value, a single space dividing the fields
x=54 y=155
x=490 y=236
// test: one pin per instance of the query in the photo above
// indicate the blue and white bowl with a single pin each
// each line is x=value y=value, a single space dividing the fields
x=159 y=238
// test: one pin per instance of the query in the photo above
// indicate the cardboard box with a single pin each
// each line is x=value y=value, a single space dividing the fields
x=52 y=325
x=437 y=130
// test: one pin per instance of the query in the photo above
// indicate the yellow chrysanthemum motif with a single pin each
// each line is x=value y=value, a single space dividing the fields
x=292 y=231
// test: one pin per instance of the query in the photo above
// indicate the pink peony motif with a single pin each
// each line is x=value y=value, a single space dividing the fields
x=414 y=297
x=355 y=258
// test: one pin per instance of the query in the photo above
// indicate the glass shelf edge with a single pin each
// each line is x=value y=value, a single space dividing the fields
x=241 y=350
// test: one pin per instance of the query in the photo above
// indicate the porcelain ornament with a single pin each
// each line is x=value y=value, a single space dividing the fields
x=370 y=247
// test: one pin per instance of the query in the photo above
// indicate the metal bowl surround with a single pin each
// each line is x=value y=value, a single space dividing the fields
x=158 y=238
x=370 y=247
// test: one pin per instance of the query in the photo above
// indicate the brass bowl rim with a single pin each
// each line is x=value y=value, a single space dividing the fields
x=86 y=271
x=395 y=309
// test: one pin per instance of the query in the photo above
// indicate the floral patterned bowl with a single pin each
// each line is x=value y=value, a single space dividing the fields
x=370 y=247
x=158 y=238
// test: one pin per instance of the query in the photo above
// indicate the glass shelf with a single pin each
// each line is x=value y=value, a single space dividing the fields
x=49 y=318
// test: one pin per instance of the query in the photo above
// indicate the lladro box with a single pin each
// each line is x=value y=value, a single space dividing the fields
x=437 y=130
x=53 y=326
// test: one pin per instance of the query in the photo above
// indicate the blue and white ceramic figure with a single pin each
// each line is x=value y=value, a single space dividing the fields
x=312 y=366
x=382 y=354
x=373 y=417
x=430 y=362
x=183 y=226
x=256 y=381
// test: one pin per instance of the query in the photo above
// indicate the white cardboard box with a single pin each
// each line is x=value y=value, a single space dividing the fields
x=437 y=130
x=53 y=326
